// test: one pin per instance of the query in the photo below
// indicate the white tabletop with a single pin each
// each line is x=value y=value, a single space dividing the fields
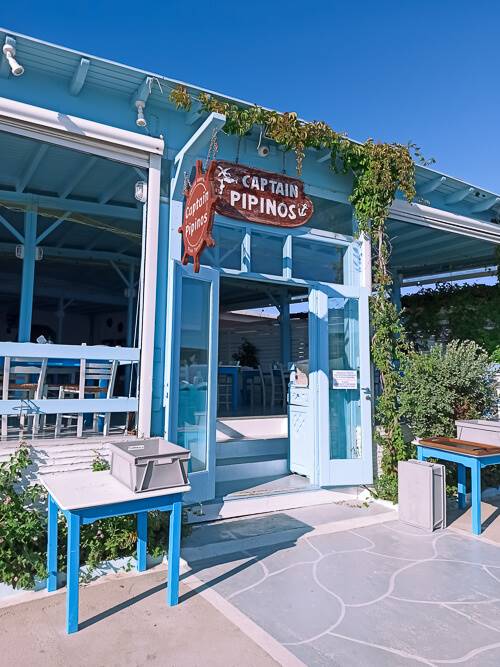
x=85 y=488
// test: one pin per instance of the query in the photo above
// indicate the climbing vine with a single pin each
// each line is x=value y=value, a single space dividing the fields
x=380 y=171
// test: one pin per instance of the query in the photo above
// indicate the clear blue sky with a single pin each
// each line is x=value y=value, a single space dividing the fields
x=425 y=71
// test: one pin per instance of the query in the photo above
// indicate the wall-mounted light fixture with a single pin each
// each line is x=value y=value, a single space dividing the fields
x=139 y=101
x=141 y=121
x=9 y=52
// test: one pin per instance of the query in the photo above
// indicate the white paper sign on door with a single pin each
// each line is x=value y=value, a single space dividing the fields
x=344 y=379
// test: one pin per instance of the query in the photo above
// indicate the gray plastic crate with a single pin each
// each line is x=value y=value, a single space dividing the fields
x=422 y=494
x=150 y=464
x=485 y=431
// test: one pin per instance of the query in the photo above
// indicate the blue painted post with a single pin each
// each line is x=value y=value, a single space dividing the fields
x=476 y=496
x=285 y=333
x=157 y=407
x=142 y=540
x=28 y=276
x=51 y=545
x=420 y=454
x=174 y=554
x=73 y=567
x=462 y=486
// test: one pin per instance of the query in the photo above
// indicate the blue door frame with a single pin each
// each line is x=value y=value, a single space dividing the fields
x=200 y=425
x=343 y=412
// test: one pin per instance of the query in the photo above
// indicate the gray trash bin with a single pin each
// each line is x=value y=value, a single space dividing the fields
x=422 y=494
x=485 y=431
x=150 y=464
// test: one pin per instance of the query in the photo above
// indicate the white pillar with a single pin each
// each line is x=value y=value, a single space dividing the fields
x=149 y=298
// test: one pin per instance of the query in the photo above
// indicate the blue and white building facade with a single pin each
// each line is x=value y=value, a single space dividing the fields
x=75 y=231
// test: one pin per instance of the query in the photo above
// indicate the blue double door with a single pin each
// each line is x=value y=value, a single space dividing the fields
x=329 y=423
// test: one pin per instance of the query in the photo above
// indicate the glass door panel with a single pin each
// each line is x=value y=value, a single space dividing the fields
x=192 y=408
x=343 y=355
x=344 y=401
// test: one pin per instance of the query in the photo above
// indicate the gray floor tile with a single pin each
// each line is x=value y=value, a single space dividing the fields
x=335 y=542
x=442 y=581
x=290 y=605
x=469 y=549
x=357 y=577
x=431 y=631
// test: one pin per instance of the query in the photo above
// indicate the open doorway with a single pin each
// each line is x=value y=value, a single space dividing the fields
x=263 y=333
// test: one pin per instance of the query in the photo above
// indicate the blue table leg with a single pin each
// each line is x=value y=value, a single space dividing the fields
x=142 y=540
x=52 y=544
x=73 y=572
x=462 y=487
x=174 y=554
x=420 y=455
x=476 y=496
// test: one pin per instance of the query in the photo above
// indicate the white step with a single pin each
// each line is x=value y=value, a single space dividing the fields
x=231 y=508
x=230 y=469
x=239 y=428
x=241 y=448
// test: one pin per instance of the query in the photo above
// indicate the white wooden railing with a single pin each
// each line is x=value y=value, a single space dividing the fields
x=51 y=406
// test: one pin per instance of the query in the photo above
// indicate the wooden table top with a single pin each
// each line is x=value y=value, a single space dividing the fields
x=476 y=449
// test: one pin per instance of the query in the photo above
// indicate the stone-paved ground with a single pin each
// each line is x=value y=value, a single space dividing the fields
x=382 y=595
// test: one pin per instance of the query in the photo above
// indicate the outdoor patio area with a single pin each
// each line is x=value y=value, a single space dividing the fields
x=342 y=584
x=385 y=594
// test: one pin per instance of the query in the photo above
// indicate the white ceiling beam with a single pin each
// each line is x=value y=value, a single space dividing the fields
x=430 y=186
x=33 y=164
x=79 y=76
x=485 y=204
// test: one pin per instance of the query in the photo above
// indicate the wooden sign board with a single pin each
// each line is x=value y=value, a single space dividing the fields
x=198 y=220
x=260 y=196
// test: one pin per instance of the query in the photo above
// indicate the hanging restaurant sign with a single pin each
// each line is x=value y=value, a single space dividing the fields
x=260 y=196
x=199 y=208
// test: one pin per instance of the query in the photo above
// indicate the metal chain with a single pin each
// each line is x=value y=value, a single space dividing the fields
x=187 y=184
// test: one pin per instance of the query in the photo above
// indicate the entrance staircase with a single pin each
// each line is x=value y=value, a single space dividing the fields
x=252 y=448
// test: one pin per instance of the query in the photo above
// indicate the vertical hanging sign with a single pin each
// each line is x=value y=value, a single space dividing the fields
x=199 y=209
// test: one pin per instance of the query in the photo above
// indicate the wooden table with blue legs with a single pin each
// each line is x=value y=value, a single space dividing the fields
x=465 y=454
x=84 y=497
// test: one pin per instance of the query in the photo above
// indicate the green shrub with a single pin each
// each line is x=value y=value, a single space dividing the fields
x=495 y=356
x=23 y=529
x=386 y=487
x=445 y=384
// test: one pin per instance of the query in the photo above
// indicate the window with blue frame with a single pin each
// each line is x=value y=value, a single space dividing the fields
x=226 y=254
x=266 y=253
x=313 y=260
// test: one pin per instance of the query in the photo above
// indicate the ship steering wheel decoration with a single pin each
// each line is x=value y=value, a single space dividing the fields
x=199 y=209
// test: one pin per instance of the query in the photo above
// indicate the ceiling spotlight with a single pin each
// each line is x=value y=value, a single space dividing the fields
x=141 y=121
x=9 y=51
